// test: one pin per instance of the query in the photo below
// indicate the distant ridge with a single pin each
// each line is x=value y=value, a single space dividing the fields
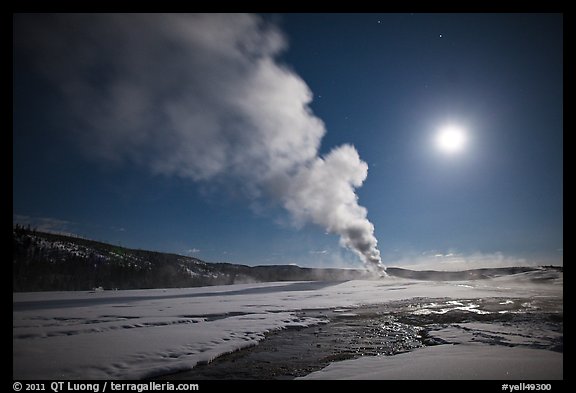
x=55 y=262
x=472 y=274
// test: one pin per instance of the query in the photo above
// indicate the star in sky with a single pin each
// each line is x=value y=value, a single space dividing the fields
x=120 y=123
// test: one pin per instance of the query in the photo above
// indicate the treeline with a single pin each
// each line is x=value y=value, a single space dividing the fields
x=52 y=262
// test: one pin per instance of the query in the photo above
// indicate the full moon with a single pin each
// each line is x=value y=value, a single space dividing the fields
x=451 y=139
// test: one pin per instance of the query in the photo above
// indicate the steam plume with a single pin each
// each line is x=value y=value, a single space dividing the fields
x=201 y=97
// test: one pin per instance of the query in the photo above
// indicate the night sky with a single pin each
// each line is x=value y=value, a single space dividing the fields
x=189 y=135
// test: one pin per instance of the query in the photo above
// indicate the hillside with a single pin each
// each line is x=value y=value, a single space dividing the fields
x=472 y=274
x=51 y=262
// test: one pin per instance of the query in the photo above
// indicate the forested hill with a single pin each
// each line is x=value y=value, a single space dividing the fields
x=51 y=262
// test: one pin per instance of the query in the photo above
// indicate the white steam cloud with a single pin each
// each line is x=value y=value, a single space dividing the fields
x=202 y=97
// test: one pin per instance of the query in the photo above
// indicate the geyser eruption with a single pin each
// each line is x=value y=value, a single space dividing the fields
x=323 y=192
x=201 y=97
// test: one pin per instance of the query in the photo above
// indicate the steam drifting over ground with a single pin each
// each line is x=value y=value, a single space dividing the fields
x=202 y=97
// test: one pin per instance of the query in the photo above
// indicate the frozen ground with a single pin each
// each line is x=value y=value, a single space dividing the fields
x=146 y=333
x=451 y=362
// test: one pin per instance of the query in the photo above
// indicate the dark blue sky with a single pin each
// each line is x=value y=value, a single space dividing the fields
x=384 y=83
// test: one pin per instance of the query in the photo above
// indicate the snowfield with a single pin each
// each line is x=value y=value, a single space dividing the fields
x=144 y=333
x=451 y=362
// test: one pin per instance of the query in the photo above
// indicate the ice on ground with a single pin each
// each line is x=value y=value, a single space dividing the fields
x=499 y=333
x=142 y=333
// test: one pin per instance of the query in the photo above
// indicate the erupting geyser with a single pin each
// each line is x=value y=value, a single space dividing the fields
x=323 y=192
x=204 y=97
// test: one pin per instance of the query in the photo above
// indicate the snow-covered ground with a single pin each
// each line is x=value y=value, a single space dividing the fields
x=143 y=333
x=450 y=362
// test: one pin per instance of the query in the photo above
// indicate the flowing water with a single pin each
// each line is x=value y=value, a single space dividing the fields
x=389 y=329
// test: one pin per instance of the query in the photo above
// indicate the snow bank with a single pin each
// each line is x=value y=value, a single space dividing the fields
x=448 y=362
x=138 y=334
